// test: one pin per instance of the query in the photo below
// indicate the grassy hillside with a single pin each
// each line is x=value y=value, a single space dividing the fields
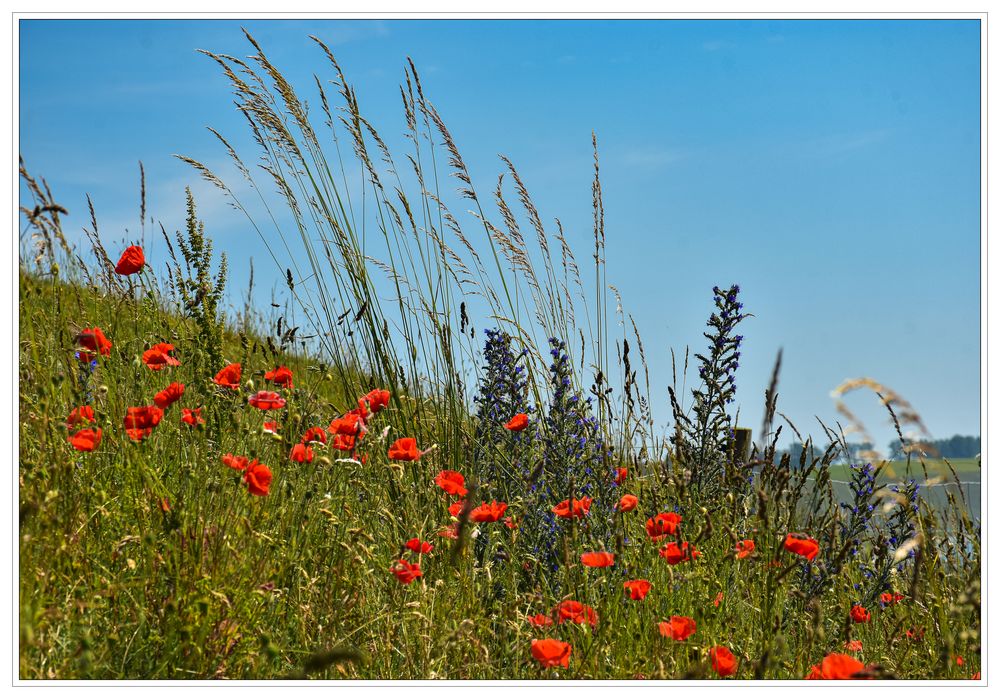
x=152 y=560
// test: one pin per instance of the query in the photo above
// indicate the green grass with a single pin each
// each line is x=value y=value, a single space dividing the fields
x=228 y=585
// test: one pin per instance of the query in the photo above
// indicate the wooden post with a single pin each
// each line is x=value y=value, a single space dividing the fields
x=744 y=438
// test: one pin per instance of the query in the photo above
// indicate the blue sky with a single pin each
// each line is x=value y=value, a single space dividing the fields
x=831 y=168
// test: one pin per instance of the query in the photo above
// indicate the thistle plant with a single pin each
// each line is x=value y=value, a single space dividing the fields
x=898 y=546
x=498 y=456
x=575 y=464
x=848 y=543
x=499 y=463
x=861 y=509
x=703 y=443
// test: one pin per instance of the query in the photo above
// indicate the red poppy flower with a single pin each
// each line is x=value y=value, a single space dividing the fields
x=517 y=423
x=282 y=376
x=662 y=524
x=314 y=434
x=266 y=400
x=237 y=462
x=455 y=508
x=93 y=340
x=598 y=559
x=860 y=615
x=405 y=449
x=258 y=478
x=418 y=546
x=449 y=532
x=802 y=546
x=836 y=666
x=678 y=554
x=349 y=425
x=192 y=416
x=406 y=572
x=723 y=661
x=579 y=508
x=718 y=599
x=888 y=598
x=510 y=522
x=854 y=646
x=301 y=453
x=637 y=589
x=139 y=422
x=158 y=356
x=628 y=503
x=86 y=440
x=550 y=652
x=488 y=512
x=361 y=411
x=914 y=634
x=451 y=482
x=84 y=413
x=375 y=399
x=168 y=396
x=131 y=261
x=620 y=475
x=540 y=621
x=575 y=612
x=343 y=442
x=229 y=376
x=271 y=428
x=679 y=628
x=745 y=548
x=164 y=505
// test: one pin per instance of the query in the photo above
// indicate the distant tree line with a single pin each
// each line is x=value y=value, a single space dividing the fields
x=956 y=447
x=795 y=450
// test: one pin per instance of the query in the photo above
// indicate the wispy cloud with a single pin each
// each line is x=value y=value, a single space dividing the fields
x=717 y=45
x=841 y=144
x=649 y=158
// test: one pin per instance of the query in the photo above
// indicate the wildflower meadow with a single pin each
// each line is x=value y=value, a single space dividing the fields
x=434 y=457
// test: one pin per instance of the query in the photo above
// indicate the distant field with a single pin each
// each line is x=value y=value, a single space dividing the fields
x=967 y=470
x=941 y=486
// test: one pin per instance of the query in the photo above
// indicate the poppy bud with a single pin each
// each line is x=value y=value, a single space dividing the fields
x=248 y=385
x=276 y=437
x=704 y=510
x=102 y=391
x=325 y=460
x=729 y=497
